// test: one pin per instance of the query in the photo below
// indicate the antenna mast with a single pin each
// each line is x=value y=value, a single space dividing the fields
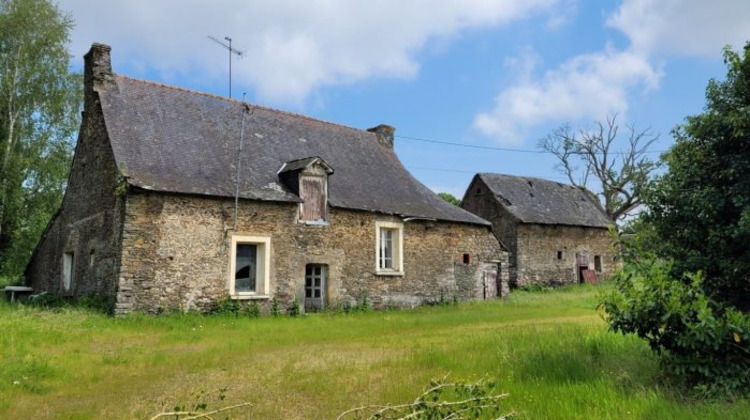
x=231 y=51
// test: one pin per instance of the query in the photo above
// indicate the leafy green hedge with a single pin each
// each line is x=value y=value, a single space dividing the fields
x=703 y=344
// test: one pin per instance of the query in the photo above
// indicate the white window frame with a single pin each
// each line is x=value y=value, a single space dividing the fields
x=398 y=252
x=263 y=267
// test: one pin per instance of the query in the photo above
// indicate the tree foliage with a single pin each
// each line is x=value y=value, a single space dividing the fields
x=685 y=286
x=39 y=114
x=591 y=157
x=450 y=198
x=700 y=209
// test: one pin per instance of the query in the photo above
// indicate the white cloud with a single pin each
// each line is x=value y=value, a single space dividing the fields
x=683 y=27
x=592 y=85
x=292 y=47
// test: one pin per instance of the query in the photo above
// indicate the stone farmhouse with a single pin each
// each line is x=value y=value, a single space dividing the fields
x=556 y=233
x=177 y=198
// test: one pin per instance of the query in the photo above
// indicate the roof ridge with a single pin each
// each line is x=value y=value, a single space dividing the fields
x=222 y=98
x=530 y=177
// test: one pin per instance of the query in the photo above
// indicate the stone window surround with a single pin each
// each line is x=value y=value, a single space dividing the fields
x=398 y=252
x=263 y=270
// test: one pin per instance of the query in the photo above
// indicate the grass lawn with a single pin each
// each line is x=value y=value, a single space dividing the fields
x=549 y=350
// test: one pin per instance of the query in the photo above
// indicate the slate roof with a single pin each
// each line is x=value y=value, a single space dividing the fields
x=536 y=200
x=175 y=140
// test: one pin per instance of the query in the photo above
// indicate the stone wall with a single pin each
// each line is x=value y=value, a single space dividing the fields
x=481 y=201
x=538 y=247
x=90 y=218
x=533 y=247
x=176 y=254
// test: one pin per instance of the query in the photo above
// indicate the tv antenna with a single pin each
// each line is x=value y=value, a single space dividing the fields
x=235 y=51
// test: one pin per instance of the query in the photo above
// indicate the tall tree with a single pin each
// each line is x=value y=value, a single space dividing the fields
x=40 y=102
x=687 y=291
x=700 y=209
x=593 y=157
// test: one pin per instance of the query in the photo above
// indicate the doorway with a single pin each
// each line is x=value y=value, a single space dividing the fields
x=315 y=286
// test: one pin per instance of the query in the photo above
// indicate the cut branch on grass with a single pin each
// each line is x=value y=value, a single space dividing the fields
x=446 y=400
x=192 y=415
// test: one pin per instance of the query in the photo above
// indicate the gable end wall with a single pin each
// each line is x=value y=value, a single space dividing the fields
x=89 y=221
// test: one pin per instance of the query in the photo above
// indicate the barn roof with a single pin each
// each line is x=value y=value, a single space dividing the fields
x=536 y=200
x=175 y=140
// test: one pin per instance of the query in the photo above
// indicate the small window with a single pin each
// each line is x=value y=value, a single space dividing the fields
x=68 y=271
x=598 y=263
x=249 y=266
x=466 y=258
x=388 y=243
x=559 y=255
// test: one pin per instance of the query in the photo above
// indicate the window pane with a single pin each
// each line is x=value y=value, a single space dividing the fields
x=386 y=248
x=246 y=263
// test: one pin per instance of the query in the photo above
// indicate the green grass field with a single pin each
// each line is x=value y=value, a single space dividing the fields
x=550 y=351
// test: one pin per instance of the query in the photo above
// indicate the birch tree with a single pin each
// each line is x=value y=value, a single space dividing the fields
x=40 y=102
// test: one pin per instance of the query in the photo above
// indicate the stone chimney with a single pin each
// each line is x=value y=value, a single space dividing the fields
x=384 y=133
x=97 y=67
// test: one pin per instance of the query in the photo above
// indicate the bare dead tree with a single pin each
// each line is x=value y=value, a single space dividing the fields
x=594 y=158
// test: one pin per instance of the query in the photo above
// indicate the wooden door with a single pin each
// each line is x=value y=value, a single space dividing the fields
x=490 y=284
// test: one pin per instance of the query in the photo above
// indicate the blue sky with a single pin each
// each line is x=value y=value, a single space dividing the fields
x=481 y=72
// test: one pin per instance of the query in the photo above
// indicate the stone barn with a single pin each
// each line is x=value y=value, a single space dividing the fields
x=177 y=199
x=556 y=233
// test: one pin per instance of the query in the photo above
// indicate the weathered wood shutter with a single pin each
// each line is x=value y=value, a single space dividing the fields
x=312 y=192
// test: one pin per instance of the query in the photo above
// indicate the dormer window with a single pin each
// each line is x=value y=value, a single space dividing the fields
x=308 y=178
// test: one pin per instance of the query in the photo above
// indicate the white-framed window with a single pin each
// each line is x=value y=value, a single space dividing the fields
x=389 y=249
x=68 y=271
x=250 y=266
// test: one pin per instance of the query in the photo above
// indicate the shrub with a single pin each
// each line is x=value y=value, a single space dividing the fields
x=703 y=344
x=294 y=310
x=225 y=305
x=252 y=310
x=275 y=309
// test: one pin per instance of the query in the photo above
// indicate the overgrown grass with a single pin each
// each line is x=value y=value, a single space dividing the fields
x=550 y=350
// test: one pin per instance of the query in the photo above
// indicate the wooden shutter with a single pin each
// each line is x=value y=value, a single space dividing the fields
x=312 y=192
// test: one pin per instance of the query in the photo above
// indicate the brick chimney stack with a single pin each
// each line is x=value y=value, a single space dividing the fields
x=384 y=134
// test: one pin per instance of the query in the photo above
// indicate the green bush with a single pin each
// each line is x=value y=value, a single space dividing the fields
x=10 y=281
x=702 y=343
x=252 y=310
x=225 y=305
x=294 y=310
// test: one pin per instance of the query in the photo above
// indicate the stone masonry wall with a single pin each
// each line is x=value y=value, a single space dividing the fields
x=176 y=254
x=538 y=247
x=90 y=218
x=480 y=200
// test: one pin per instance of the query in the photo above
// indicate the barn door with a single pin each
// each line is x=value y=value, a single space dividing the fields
x=490 y=284
x=582 y=264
